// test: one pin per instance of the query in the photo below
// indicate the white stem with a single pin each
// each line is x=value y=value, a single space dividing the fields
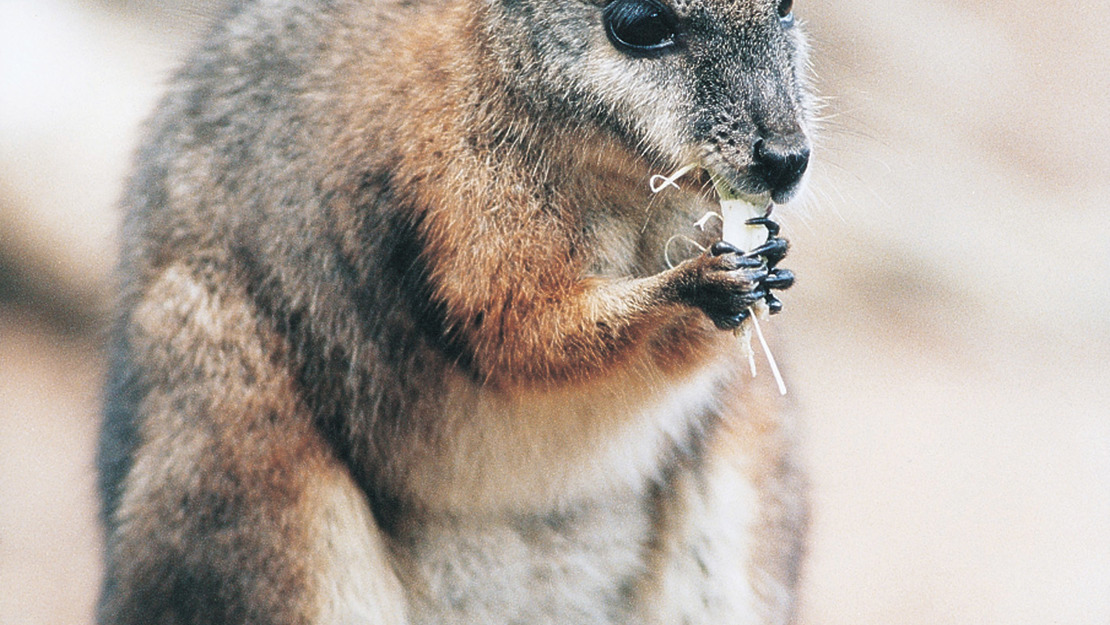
x=770 y=359
x=658 y=182
x=700 y=224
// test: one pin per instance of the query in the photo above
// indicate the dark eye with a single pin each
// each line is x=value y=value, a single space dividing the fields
x=786 y=11
x=639 y=26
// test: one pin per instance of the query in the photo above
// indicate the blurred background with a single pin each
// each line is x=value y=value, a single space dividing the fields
x=948 y=340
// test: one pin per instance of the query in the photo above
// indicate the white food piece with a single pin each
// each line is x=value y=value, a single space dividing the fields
x=737 y=209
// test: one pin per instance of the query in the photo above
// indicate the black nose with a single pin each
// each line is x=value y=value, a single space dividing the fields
x=780 y=163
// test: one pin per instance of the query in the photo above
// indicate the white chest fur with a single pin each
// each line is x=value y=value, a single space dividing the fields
x=550 y=449
x=576 y=567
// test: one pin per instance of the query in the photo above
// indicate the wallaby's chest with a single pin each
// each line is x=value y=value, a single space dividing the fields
x=562 y=568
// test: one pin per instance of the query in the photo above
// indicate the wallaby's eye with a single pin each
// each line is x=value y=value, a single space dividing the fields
x=786 y=11
x=639 y=26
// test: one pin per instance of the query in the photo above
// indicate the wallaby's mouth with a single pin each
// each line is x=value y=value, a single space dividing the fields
x=728 y=192
x=696 y=176
x=748 y=183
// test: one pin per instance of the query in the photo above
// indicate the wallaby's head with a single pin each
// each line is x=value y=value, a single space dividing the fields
x=715 y=82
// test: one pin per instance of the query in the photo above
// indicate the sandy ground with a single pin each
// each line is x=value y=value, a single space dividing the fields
x=948 y=340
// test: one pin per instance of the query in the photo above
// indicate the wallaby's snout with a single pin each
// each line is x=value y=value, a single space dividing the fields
x=758 y=160
x=751 y=107
x=778 y=162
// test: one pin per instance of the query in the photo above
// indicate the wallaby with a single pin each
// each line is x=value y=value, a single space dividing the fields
x=397 y=341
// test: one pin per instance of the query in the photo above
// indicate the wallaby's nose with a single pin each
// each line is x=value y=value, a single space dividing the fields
x=780 y=163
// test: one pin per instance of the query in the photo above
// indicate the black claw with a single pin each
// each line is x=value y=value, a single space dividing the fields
x=773 y=250
x=779 y=279
x=723 y=247
x=748 y=262
x=774 y=305
x=771 y=226
x=732 y=322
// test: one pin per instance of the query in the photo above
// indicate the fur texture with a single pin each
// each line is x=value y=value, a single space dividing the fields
x=397 y=343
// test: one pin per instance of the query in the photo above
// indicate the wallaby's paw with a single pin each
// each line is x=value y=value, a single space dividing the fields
x=725 y=281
